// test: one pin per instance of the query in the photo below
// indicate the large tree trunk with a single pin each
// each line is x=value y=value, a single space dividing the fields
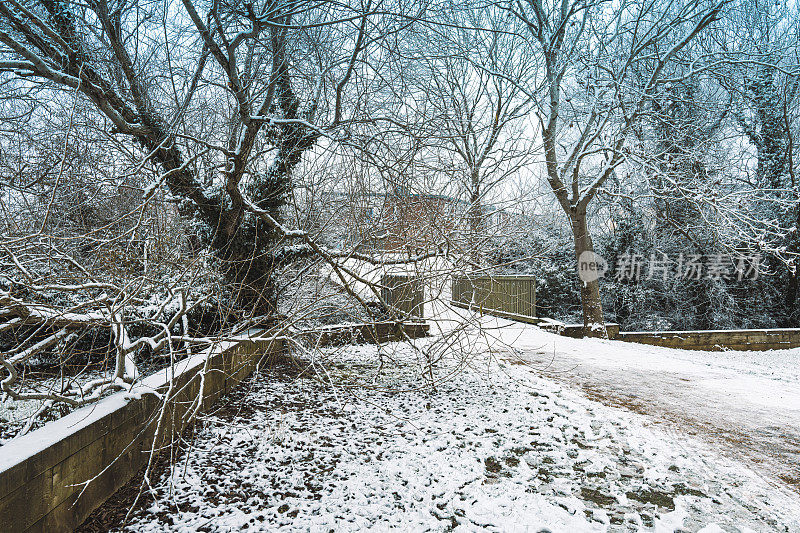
x=253 y=255
x=593 y=322
x=249 y=273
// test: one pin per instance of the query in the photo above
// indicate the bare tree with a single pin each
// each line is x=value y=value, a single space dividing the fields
x=761 y=75
x=244 y=59
x=203 y=110
x=600 y=76
x=473 y=83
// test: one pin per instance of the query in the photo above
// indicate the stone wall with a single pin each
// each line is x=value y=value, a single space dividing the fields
x=577 y=331
x=717 y=340
x=706 y=340
x=43 y=474
x=378 y=332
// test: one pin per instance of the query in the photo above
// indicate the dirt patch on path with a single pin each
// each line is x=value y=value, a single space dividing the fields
x=772 y=449
x=767 y=444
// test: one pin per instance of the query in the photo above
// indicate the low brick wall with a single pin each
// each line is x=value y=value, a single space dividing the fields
x=577 y=331
x=706 y=340
x=378 y=332
x=717 y=340
x=41 y=473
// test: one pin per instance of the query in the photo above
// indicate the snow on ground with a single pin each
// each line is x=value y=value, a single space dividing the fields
x=747 y=403
x=15 y=414
x=494 y=448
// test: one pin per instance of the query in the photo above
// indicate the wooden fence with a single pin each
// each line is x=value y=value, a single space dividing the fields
x=405 y=293
x=509 y=296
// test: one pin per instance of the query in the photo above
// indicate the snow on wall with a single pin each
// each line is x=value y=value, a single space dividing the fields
x=43 y=474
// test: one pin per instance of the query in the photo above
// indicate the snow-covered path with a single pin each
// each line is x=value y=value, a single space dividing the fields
x=495 y=448
x=748 y=403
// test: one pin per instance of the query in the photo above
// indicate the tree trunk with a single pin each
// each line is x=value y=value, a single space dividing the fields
x=250 y=279
x=593 y=322
x=790 y=299
x=475 y=217
x=252 y=252
x=793 y=276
